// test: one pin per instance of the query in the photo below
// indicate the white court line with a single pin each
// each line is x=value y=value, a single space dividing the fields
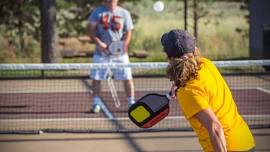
x=106 y=111
x=85 y=90
x=80 y=119
x=137 y=89
x=263 y=90
x=266 y=116
x=243 y=88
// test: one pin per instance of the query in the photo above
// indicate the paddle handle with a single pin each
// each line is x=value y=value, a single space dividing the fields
x=169 y=95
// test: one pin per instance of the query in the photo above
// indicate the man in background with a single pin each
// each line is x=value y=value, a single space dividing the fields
x=107 y=24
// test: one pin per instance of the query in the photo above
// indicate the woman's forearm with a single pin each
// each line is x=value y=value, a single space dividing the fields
x=214 y=128
x=217 y=137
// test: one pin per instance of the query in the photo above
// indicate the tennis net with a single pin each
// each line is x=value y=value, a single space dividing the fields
x=58 y=97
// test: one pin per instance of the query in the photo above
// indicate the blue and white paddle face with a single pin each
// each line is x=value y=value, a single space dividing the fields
x=117 y=48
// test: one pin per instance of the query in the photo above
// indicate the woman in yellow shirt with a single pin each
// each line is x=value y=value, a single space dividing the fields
x=204 y=96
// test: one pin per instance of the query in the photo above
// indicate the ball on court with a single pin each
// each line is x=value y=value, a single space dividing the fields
x=158 y=6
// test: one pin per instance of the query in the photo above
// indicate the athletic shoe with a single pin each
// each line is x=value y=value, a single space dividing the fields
x=96 y=104
x=96 y=108
x=131 y=101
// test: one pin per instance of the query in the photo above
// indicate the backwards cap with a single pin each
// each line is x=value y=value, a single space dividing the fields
x=177 y=42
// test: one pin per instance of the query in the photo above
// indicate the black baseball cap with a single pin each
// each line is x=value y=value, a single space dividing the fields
x=177 y=42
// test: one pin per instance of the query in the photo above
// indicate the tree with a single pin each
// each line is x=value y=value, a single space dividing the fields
x=19 y=19
x=185 y=14
x=20 y=23
x=198 y=13
x=49 y=33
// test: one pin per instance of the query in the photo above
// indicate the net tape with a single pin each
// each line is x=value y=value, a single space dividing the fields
x=146 y=65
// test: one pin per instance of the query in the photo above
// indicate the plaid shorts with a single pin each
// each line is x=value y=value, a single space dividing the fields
x=118 y=73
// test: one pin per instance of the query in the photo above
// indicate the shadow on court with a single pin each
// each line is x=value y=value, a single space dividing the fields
x=132 y=142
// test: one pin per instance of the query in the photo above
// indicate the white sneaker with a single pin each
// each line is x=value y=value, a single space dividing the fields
x=131 y=101
x=96 y=108
x=96 y=105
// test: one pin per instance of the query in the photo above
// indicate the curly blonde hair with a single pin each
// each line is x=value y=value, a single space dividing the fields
x=185 y=68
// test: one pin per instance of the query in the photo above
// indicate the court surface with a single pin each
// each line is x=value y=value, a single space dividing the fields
x=66 y=104
x=132 y=142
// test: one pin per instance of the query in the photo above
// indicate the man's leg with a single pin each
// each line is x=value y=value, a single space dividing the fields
x=130 y=92
x=96 y=96
x=125 y=75
x=97 y=75
x=96 y=87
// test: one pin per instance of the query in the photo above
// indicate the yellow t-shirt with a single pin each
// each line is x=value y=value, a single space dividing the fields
x=210 y=90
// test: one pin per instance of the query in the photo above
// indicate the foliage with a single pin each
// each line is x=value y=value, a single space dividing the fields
x=218 y=37
x=220 y=22
x=19 y=20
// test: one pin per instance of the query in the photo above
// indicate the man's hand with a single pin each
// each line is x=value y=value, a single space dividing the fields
x=126 y=47
x=92 y=27
x=127 y=38
x=104 y=47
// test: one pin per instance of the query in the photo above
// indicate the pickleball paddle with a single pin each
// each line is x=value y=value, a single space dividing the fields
x=149 y=110
x=117 y=48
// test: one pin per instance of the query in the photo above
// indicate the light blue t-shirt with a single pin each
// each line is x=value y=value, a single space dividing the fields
x=111 y=25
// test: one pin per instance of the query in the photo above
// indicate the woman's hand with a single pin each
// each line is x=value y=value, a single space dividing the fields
x=173 y=91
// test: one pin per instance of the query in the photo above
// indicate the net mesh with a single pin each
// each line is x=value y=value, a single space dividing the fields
x=58 y=97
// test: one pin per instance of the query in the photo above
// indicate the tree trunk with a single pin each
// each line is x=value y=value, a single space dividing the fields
x=195 y=18
x=185 y=14
x=48 y=32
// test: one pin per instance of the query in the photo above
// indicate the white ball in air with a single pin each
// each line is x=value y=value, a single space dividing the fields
x=158 y=6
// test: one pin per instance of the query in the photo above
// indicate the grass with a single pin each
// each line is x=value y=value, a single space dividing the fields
x=222 y=41
x=41 y=73
x=19 y=73
x=217 y=36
